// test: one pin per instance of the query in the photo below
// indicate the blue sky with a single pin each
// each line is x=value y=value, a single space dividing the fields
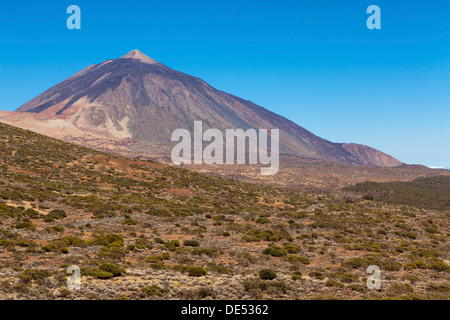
x=314 y=62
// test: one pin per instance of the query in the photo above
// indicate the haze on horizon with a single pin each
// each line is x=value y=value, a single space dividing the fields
x=315 y=63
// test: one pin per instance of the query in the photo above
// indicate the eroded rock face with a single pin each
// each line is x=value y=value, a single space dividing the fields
x=141 y=101
x=371 y=156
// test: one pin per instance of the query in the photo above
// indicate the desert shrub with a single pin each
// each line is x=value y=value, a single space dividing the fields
x=390 y=265
x=165 y=255
x=142 y=243
x=159 y=266
x=31 y=213
x=205 y=292
x=409 y=266
x=112 y=268
x=267 y=274
x=96 y=273
x=159 y=240
x=65 y=292
x=115 y=253
x=73 y=241
x=355 y=263
x=256 y=235
x=28 y=225
x=439 y=287
x=420 y=264
x=347 y=277
x=56 y=214
x=34 y=274
x=219 y=268
x=55 y=229
x=197 y=271
x=204 y=251
x=154 y=258
x=357 y=287
x=275 y=251
x=438 y=266
x=297 y=276
x=153 y=291
x=170 y=246
x=157 y=258
x=400 y=288
x=112 y=240
x=191 y=243
x=49 y=248
x=318 y=273
x=292 y=258
x=159 y=212
x=262 y=220
x=129 y=221
x=291 y=248
x=334 y=283
x=256 y=287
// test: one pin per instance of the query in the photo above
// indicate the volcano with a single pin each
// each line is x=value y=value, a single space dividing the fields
x=131 y=106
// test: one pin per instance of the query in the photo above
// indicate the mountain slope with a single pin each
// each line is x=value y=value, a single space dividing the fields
x=137 y=102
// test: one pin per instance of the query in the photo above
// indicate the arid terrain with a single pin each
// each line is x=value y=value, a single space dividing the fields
x=142 y=230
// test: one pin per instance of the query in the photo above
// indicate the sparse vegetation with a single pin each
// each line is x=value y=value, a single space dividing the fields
x=141 y=230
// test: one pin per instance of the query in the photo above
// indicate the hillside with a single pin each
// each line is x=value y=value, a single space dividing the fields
x=142 y=230
x=426 y=192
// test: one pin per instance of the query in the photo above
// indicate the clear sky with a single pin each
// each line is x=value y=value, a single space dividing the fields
x=314 y=62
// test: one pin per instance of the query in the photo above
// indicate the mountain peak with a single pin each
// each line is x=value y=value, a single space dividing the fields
x=136 y=98
x=136 y=54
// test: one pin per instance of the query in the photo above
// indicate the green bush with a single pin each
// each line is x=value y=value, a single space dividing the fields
x=219 y=268
x=262 y=220
x=112 y=268
x=256 y=287
x=355 y=263
x=191 y=243
x=197 y=271
x=96 y=273
x=275 y=251
x=204 y=251
x=334 y=283
x=49 y=248
x=267 y=274
x=153 y=291
x=292 y=258
x=438 y=266
x=420 y=264
x=170 y=246
x=34 y=274
x=56 y=214
x=28 y=225
x=297 y=276
x=409 y=266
